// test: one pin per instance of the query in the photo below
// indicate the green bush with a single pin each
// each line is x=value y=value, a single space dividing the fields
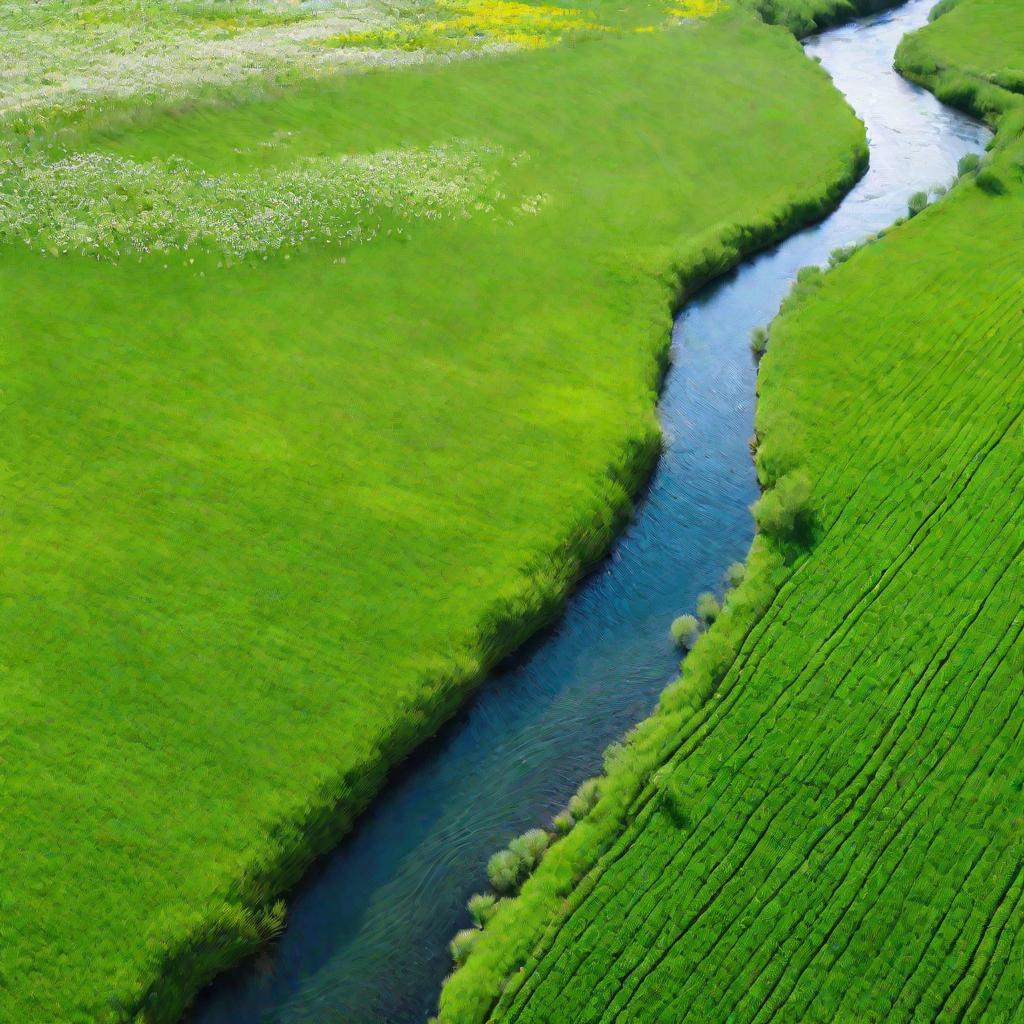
x=841 y=255
x=530 y=847
x=482 y=907
x=967 y=164
x=708 y=607
x=585 y=799
x=462 y=945
x=918 y=202
x=685 y=631
x=505 y=870
x=782 y=510
x=563 y=822
x=991 y=182
x=758 y=341
x=735 y=574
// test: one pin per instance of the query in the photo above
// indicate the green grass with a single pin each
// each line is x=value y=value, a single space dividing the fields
x=266 y=525
x=823 y=821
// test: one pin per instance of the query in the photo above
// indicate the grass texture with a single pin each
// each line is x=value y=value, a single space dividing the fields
x=823 y=820
x=267 y=521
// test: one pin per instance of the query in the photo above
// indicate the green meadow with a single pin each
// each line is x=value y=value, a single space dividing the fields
x=823 y=820
x=318 y=397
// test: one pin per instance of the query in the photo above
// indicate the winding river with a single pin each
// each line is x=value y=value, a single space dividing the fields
x=368 y=931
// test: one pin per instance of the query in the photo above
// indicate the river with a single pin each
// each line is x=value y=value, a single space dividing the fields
x=368 y=930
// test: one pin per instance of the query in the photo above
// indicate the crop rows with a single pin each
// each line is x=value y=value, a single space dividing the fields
x=841 y=839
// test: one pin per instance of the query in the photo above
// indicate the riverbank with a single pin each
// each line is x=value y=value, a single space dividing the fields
x=646 y=908
x=250 y=494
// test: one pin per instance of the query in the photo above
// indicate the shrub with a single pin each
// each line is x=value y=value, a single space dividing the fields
x=505 y=870
x=990 y=182
x=708 y=606
x=918 y=202
x=735 y=574
x=563 y=823
x=685 y=630
x=462 y=945
x=841 y=255
x=780 y=511
x=758 y=341
x=585 y=799
x=482 y=907
x=530 y=847
x=967 y=164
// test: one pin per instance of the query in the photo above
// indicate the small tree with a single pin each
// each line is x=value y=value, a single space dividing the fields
x=735 y=574
x=563 y=823
x=708 y=607
x=530 y=847
x=685 y=631
x=780 y=511
x=505 y=870
x=482 y=907
x=758 y=341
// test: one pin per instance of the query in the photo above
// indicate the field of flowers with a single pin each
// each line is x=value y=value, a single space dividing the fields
x=270 y=519
x=823 y=822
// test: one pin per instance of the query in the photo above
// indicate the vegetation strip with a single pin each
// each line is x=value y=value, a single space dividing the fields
x=836 y=836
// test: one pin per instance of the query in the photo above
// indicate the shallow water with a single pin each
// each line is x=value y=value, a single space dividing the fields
x=368 y=931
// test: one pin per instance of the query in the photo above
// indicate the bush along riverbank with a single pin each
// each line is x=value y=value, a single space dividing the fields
x=549 y=954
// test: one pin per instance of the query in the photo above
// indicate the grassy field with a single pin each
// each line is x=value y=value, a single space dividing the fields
x=823 y=822
x=315 y=404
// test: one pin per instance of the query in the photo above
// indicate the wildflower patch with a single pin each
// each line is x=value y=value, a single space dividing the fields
x=110 y=206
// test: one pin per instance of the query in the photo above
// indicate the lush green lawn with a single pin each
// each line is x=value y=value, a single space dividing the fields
x=265 y=524
x=836 y=836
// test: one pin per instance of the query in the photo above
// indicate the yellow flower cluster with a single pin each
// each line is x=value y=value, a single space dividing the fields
x=506 y=21
x=464 y=23
x=696 y=8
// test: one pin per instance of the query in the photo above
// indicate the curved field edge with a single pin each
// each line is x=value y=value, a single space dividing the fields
x=637 y=784
x=187 y=956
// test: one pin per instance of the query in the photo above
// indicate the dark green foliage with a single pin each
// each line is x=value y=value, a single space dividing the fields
x=759 y=341
x=991 y=181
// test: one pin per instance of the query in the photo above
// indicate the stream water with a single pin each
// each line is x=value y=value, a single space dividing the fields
x=368 y=930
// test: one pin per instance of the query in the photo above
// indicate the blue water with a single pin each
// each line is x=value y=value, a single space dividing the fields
x=368 y=930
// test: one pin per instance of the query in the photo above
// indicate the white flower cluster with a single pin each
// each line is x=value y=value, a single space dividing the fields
x=110 y=206
x=67 y=54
